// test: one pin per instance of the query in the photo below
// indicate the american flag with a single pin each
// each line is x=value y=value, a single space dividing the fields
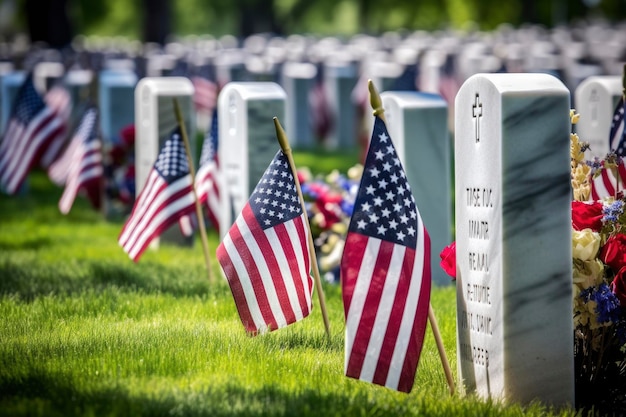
x=167 y=195
x=605 y=183
x=617 y=136
x=84 y=156
x=265 y=255
x=207 y=178
x=385 y=273
x=205 y=94
x=59 y=100
x=32 y=127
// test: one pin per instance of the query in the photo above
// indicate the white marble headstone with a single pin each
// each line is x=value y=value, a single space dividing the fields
x=155 y=119
x=595 y=101
x=247 y=140
x=513 y=238
x=418 y=125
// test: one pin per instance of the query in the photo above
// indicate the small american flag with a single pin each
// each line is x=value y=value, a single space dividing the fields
x=265 y=255
x=605 y=183
x=59 y=100
x=167 y=195
x=85 y=163
x=205 y=94
x=207 y=178
x=385 y=272
x=617 y=136
x=32 y=127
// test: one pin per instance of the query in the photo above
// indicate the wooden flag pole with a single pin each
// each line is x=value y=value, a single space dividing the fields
x=284 y=145
x=378 y=110
x=205 y=242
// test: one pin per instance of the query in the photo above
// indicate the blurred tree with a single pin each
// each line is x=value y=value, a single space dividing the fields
x=156 y=20
x=48 y=22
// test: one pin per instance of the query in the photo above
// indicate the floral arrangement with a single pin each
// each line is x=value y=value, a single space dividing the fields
x=599 y=281
x=329 y=201
x=119 y=173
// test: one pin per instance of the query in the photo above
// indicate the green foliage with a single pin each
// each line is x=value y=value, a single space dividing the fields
x=86 y=332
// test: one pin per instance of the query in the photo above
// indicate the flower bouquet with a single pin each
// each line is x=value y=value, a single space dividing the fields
x=599 y=280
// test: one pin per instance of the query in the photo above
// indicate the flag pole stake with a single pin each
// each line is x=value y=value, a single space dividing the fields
x=378 y=110
x=205 y=242
x=284 y=145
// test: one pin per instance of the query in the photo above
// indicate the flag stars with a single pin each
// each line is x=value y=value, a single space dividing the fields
x=384 y=207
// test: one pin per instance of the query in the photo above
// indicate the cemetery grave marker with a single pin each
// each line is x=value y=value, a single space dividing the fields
x=513 y=238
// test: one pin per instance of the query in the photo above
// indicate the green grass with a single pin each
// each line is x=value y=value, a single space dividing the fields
x=84 y=331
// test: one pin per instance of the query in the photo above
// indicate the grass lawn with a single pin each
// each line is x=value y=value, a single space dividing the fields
x=85 y=331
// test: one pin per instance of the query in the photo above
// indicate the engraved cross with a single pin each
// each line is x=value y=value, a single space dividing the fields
x=477 y=113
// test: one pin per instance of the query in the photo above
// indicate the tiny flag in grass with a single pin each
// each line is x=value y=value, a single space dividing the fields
x=84 y=159
x=32 y=127
x=167 y=195
x=207 y=179
x=385 y=272
x=265 y=254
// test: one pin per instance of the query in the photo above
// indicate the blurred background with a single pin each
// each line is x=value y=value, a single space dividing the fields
x=56 y=22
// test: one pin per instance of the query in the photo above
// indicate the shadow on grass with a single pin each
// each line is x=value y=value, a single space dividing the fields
x=45 y=395
x=28 y=280
x=26 y=244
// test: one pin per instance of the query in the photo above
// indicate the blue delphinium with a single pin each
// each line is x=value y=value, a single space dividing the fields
x=612 y=211
x=607 y=304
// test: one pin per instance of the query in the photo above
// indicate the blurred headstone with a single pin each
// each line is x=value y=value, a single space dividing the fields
x=418 y=125
x=155 y=119
x=595 y=101
x=298 y=79
x=339 y=81
x=10 y=85
x=247 y=140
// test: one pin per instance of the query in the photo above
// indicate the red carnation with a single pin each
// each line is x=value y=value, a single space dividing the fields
x=448 y=260
x=587 y=215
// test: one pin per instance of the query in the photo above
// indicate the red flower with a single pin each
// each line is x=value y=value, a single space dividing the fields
x=587 y=215
x=618 y=286
x=448 y=260
x=613 y=253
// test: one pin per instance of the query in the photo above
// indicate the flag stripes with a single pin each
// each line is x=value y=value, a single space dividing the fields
x=85 y=172
x=157 y=208
x=380 y=323
x=606 y=184
x=267 y=271
x=23 y=146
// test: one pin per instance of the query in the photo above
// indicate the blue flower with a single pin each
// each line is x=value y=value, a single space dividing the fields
x=607 y=304
x=611 y=212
